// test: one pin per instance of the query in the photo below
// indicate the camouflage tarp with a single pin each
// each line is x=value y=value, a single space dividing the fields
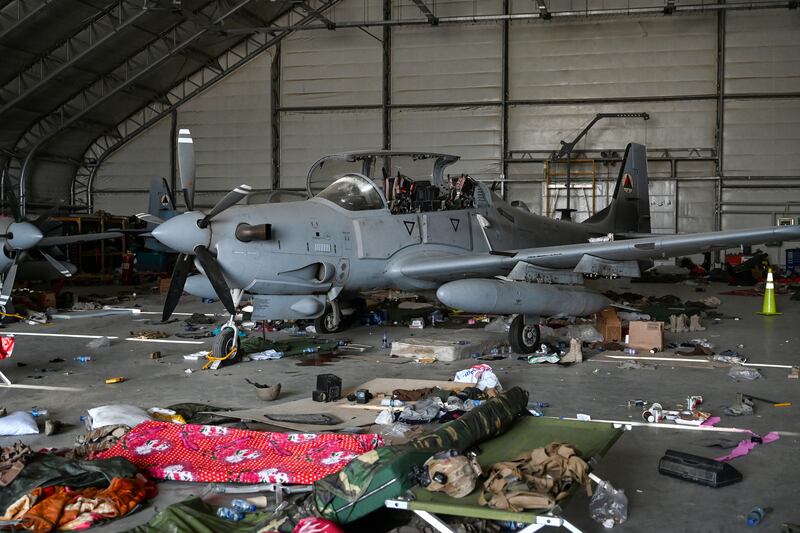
x=372 y=478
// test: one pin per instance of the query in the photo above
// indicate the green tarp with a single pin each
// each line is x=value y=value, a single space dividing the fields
x=196 y=516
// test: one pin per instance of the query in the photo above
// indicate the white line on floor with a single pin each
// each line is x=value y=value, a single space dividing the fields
x=676 y=426
x=685 y=360
x=134 y=339
x=73 y=336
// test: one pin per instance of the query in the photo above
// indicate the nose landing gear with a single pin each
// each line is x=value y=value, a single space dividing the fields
x=226 y=345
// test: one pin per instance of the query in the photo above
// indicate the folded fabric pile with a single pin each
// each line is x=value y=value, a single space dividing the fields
x=218 y=454
x=64 y=509
x=54 y=492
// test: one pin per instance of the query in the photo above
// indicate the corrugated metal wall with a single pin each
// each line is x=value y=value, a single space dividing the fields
x=230 y=124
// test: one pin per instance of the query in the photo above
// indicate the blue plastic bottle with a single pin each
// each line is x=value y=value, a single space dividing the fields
x=243 y=506
x=756 y=516
x=230 y=514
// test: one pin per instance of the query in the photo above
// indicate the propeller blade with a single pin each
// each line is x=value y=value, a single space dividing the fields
x=179 y=274
x=8 y=283
x=62 y=269
x=147 y=217
x=170 y=196
x=186 y=166
x=72 y=239
x=227 y=201
x=214 y=274
x=11 y=199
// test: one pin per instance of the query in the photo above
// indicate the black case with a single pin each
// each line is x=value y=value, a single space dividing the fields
x=331 y=385
x=702 y=470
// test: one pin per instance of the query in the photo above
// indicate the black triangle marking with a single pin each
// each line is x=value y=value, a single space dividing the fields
x=455 y=222
x=409 y=225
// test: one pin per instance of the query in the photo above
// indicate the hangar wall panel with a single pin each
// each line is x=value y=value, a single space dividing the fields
x=131 y=168
x=448 y=8
x=447 y=64
x=230 y=124
x=612 y=58
x=472 y=133
x=681 y=124
x=761 y=137
x=761 y=52
x=307 y=136
x=321 y=68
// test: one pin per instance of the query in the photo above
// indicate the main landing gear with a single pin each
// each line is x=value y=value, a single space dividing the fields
x=524 y=338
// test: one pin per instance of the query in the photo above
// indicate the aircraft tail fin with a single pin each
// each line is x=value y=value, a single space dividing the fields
x=629 y=210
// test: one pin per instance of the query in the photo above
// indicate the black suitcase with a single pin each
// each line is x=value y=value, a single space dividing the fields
x=702 y=470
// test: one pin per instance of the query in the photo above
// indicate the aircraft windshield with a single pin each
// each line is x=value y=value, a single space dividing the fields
x=354 y=193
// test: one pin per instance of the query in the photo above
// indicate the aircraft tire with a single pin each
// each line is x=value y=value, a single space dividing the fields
x=223 y=344
x=524 y=338
x=323 y=323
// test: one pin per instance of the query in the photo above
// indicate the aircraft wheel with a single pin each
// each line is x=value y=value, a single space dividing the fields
x=324 y=323
x=223 y=344
x=525 y=338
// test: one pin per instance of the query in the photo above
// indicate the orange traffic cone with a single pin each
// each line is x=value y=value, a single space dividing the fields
x=768 y=307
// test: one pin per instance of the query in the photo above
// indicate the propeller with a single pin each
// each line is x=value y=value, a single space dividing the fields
x=186 y=166
x=8 y=283
x=189 y=233
x=23 y=236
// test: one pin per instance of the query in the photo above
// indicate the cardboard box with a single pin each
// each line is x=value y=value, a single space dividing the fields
x=644 y=335
x=163 y=287
x=609 y=325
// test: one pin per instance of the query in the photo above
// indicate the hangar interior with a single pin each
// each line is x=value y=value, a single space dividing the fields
x=95 y=96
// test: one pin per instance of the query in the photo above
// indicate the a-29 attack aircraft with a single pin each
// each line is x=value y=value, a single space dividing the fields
x=395 y=220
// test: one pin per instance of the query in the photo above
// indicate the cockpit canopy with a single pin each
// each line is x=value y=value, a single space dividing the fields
x=380 y=166
x=353 y=192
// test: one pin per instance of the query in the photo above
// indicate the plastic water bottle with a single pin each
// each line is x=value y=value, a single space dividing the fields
x=757 y=515
x=385 y=341
x=83 y=358
x=310 y=349
x=35 y=413
x=389 y=402
x=243 y=506
x=230 y=514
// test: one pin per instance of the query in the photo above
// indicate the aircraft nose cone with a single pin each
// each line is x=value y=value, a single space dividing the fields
x=182 y=234
x=24 y=235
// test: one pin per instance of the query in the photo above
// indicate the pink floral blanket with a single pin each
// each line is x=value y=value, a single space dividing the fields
x=217 y=454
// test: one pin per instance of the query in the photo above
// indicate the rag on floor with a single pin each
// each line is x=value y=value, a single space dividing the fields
x=64 y=509
x=46 y=470
x=226 y=455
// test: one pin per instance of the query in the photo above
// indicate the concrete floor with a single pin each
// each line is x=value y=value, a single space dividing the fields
x=601 y=389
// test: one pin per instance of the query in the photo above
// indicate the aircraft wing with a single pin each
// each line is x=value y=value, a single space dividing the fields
x=444 y=266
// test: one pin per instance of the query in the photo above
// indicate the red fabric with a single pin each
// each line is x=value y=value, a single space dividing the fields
x=221 y=455
x=313 y=524
x=6 y=346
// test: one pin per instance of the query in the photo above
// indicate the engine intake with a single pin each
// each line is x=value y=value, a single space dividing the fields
x=259 y=232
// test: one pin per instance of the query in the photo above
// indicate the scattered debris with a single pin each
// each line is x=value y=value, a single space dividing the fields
x=149 y=334
x=101 y=342
x=608 y=506
x=743 y=373
x=266 y=392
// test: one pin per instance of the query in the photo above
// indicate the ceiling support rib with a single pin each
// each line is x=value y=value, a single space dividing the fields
x=153 y=55
x=17 y=13
x=314 y=12
x=423 y=7
x=231 y=60
x=89 y=38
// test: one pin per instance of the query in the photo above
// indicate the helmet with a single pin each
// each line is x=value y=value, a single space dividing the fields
x=451 y=473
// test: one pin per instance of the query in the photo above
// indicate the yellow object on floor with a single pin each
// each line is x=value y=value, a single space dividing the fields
x=768 y=307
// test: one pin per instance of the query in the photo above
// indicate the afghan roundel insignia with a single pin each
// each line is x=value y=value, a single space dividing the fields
x=627 y=183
